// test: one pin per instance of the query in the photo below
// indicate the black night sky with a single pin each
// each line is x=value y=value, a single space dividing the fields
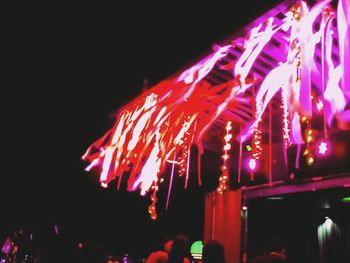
x=70 y=68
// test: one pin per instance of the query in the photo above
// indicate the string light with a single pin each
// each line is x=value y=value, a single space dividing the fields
x=224 y=178
x=184 y=154
x=161 y=122
x=295 y=9
x=257 y=147
x=309 y=137
x=152 y=209
x=286 y=124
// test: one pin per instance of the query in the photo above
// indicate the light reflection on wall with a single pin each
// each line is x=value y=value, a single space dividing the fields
x=328 y=234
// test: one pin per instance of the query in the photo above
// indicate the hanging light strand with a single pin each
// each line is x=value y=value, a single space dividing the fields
x=224 y=178
x=152 y=209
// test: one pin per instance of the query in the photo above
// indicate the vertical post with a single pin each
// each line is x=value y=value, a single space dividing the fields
x=223 y=222
x=244 y=236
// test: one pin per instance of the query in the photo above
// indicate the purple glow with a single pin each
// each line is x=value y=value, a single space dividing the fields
x=56 y=229
x=253 y=46
x=323 y=148
x=6 y=246
x=343 y=15
x=308 y=41
x=296 y=136
x=252 y=164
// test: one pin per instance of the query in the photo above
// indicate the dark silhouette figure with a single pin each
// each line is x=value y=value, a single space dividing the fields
x=213 y=252
x=180 y=251
x=161 y=255
x=275 y=254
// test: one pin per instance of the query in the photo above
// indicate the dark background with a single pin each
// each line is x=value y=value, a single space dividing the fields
x=295 y=219
x=68 y=68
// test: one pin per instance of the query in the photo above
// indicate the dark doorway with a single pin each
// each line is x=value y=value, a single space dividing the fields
x=313 y=225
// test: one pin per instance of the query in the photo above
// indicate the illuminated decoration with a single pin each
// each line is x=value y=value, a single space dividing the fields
x=152 y=210
x=224 y=177
x=346 y=199
x=196 y=249
x=327 y=232
x=160 y=126
x=309 y=137
x=252 y=164
x=257 y=138
x=323 y=148
x=55 y=227
x=275 y=198
x=310 y=159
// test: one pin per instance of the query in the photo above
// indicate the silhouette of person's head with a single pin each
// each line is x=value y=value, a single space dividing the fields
x=275 y=252
x=213 y=251
x=180 y=249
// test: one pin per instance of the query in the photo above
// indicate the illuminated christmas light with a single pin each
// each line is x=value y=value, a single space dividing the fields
x=310 y=160
x=323 y=148
x=252 y=164
x=160 y=126
x=224 y=178
x=152 y=210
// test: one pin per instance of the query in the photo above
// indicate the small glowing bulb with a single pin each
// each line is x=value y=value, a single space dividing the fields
x=252 y=164
x=323 y=148
x=310 y=160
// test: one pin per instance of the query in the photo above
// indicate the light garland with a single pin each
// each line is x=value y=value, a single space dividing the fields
x=224 y=177
x=257 y=146
x=167 y=119
x=185 y=148
x=309 y=137
x=152 y=209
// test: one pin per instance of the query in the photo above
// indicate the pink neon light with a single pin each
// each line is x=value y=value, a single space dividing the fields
x=56 y=229
x=344 y=45
x=252 y=164
x=323 y=148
